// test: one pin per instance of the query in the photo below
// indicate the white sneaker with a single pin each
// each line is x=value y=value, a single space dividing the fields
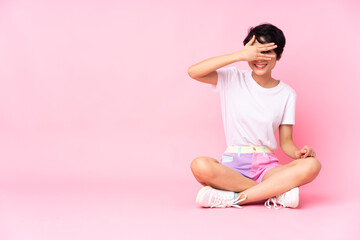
x=288 y=199
x=210 y=197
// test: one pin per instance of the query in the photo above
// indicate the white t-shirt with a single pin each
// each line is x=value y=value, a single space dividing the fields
x=252 y=114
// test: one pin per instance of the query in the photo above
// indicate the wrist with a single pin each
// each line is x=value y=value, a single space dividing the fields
x=296 y=154
x=237 y=56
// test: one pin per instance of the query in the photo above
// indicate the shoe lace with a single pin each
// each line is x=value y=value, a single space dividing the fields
x=223 y=200
x=275 y=201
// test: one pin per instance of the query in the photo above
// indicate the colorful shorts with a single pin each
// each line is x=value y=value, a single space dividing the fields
x=250 y=161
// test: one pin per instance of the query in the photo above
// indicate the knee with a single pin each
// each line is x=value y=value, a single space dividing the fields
x=311 y=167
x=201 y=168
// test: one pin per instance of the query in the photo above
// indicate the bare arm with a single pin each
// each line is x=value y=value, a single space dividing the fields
x=205 y=71
x=288 y=146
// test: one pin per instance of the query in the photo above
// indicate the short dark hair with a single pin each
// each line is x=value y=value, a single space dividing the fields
x=270 y=33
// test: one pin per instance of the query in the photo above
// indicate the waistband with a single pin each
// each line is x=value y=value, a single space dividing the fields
x=248 y=149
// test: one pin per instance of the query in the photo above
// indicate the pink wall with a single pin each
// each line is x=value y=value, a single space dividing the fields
x=99 y=89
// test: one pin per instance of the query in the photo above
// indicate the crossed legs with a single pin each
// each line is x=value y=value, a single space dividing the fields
x=210 y=172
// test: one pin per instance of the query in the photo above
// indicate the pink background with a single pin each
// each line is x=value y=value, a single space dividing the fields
x=99 y=120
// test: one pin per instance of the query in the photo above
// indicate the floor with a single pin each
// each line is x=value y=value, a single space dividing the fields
x=129 y=209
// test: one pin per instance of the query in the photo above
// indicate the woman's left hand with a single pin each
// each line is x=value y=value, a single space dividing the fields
x=305 y=152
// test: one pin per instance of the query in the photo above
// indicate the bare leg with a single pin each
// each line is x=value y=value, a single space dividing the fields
x=209 y=172
x=283 y=178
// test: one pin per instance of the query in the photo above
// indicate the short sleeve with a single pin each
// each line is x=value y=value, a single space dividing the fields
x=224 y=75
x=289 y=113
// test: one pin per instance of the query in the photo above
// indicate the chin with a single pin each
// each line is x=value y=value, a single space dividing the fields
x=260 y=72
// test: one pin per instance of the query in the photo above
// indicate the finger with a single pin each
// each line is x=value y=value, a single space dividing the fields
x=267 y=55
x=262 y=56
x=268 y=44
x=303 y=152
x=251 y=42
x=268 y=48
x=307 y=155
x=313 y=154
x=305 y=149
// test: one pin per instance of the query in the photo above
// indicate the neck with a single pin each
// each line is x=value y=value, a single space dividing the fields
x=266 y=81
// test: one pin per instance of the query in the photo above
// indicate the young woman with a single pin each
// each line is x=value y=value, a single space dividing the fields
x=254 y=106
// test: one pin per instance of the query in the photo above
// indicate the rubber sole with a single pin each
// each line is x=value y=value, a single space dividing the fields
x=296 y=194
x=201 y=193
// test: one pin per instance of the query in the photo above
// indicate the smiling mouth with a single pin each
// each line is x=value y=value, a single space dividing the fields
x=260 y=66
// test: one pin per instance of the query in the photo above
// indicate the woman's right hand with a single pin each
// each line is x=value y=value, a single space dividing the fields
x=252 y=52
x=205 y=71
